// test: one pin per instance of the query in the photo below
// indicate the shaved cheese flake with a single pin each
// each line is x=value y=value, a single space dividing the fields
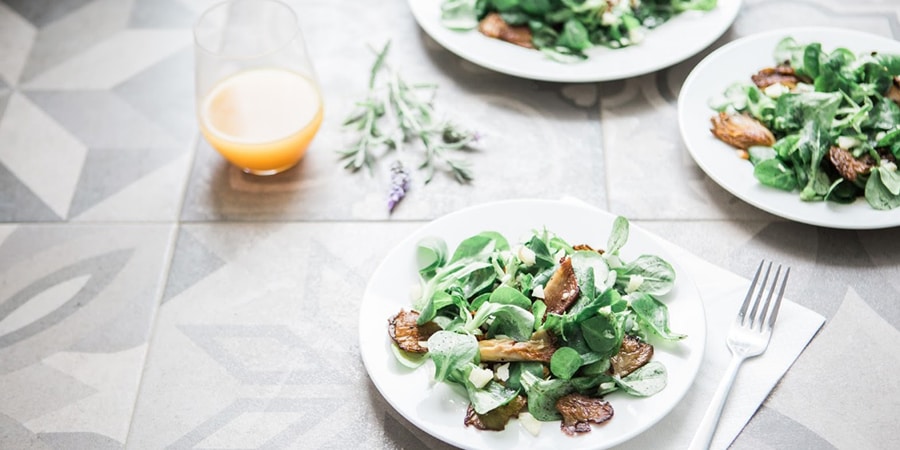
x=480 y=377
x=634 y=282
x=529 y=423
x=502 y=372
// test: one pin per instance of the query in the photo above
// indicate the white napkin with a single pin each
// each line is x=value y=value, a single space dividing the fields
x=722 y=293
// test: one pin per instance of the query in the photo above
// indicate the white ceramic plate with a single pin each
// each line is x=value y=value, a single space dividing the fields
x=737 y=61
x=672 y=42
x=439 y=410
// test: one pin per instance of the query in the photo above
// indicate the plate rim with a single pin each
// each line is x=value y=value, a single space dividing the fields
x=445 y=38
x=827 y=217
x=689 y=286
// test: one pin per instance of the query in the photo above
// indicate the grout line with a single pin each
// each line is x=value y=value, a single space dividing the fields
x=163 y=281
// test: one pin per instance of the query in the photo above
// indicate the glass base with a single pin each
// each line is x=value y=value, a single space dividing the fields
x=267 y=172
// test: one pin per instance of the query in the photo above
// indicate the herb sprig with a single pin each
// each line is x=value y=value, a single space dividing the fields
x=394 y=113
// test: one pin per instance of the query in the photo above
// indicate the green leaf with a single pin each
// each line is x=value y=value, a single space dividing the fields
x=760 y=153
x=510 y=296
x=565 y=362
x=655 y=314
x=574 y=36
x=543 y=395
x=536 y=7
x=516 y=369
x=508 y=320
x=451 y=353
x=618 y=236
x=379 y=63
x=774 y=173
x=657 y=274
x=408 y=359
x=890 y=179
x=491 y=396
x=602 y=334
x=459 y=14
x=431 y=254
x=648 y=380
x=699 y=5
x=878 y=195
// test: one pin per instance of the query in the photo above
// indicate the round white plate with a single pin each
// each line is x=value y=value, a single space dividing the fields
x=439 y=410
x=672 y=42
x=737 y=61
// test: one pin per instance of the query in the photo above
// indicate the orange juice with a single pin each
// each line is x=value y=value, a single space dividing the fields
x=262 y=120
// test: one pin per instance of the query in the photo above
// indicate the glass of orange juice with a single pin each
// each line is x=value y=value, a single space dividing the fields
x=258 y=101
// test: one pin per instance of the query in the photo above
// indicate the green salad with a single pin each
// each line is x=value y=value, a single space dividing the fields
x=539 y=331
x=824 y=124
x=564 y=29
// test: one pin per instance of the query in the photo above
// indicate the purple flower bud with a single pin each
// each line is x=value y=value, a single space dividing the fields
x=399 y=185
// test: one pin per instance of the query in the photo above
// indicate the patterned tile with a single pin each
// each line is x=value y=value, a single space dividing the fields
x=191 y=262
x=101 y=119
x=169 y=104
x=77 y=304
x=43 y=12
x=41 y=154
x=71 y=35
x=770 y=430
x=271 y=336
x=161 y=14
x=111 y=61
x=16 y=36
x=19 y=203
x=107 y=172
x=845 y=350
x=5 y=94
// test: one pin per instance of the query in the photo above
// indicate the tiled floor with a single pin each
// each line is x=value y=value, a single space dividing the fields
x=152 y=296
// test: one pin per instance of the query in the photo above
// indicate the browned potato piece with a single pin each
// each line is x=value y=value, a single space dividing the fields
x=632 y=355
x=741 y=131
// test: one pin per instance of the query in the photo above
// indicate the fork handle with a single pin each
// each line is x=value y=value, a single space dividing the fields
x=707 y=428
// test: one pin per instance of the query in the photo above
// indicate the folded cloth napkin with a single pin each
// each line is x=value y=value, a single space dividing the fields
x=722 y=293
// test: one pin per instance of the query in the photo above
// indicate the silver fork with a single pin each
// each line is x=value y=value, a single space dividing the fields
x=749 y=336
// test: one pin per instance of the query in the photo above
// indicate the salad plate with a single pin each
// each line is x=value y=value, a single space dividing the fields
x=737 y=61
x=670 y=43
x=439 y=409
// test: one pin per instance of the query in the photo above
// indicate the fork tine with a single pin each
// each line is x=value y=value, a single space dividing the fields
x=754 y=318
x=746 y=303
x=778 y=299
x=765 y=309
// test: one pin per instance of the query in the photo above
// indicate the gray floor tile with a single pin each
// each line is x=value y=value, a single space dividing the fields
x=100 y=119
x=285 y=295
x=74 y=34
x=19 y=204
x=164 y=94
x=161 y=14
x=108 y=171
x=74 y=326
x=42 y=12
x=5 y=93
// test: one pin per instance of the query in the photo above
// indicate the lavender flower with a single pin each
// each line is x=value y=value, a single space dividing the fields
x=399 y=185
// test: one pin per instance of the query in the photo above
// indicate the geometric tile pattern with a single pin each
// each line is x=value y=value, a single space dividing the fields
x=152 y=296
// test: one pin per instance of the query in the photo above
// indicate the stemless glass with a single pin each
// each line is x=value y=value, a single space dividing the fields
x=258 y=101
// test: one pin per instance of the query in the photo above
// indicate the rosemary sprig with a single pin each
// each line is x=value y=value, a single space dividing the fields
x=395 y=113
